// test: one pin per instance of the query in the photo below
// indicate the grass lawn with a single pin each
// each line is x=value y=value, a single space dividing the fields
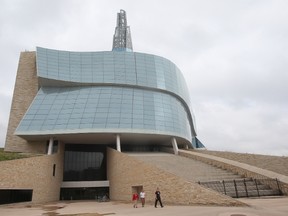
x=10 y=155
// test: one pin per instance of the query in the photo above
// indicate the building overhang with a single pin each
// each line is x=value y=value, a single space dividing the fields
x=107 y=138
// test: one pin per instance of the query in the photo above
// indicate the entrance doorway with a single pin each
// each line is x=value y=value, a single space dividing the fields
x=85 y=166
x=137 y=189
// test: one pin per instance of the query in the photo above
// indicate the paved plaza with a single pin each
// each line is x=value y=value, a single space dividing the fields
x=257 y=207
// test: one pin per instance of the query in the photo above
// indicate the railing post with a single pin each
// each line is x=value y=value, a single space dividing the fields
x=257 y=187
x=236 y=191
x=245 y=187
x=280 y=192
x=223 y=182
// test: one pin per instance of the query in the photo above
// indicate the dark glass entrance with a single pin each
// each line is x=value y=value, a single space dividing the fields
x=15 y=196
x=100 y=194
x=84 y=162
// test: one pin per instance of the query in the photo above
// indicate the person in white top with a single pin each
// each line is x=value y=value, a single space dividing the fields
x=142 y=197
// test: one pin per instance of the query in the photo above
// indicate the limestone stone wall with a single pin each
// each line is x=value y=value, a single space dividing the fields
x=124 y=172
x=35 y=173
x=25 y=89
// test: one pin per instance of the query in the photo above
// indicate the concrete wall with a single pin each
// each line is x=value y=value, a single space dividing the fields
x=35 y=173
x=124 y=172
x=26 y=87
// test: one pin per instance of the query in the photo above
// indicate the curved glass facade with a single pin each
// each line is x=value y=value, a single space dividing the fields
x=121 y=68
x=108 y=92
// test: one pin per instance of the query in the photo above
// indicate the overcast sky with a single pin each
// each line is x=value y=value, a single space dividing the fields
x=233 y=54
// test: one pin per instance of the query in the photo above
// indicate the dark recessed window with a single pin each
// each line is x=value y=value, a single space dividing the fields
x=55 y=147
x=54 y=169
x=84 y=163
x=15 y=196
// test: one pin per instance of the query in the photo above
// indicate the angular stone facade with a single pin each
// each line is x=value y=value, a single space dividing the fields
x=35 y=173
x=26 y=87
x=125 y=172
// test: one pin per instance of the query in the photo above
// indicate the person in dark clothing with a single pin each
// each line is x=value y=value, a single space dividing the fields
x=158 y=198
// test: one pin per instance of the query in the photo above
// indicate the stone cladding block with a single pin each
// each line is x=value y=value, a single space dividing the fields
x=25 y=89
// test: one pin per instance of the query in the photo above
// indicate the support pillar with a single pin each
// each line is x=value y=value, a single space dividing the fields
x=50 y=146
x=175 y=146
x=118 y=144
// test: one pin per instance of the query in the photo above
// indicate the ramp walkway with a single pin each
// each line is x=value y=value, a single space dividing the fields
x=218 y=179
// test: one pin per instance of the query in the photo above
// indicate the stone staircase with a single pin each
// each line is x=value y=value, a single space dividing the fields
x=207 y=175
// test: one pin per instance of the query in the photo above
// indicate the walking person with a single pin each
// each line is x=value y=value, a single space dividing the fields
x=135 y=198
x=142 y=197
x=158 y=198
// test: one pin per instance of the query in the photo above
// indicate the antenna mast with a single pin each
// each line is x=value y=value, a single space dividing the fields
x=122 y=36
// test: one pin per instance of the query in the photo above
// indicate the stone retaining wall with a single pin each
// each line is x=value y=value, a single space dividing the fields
x=124 y=172
x=34 y=173
x=278 y=164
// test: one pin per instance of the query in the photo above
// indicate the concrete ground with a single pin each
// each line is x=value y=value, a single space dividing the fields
x=257 y=207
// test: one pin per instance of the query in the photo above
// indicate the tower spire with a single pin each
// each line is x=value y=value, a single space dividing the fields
x=122 y=36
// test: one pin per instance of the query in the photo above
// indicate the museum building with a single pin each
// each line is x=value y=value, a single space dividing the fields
x=76 y=104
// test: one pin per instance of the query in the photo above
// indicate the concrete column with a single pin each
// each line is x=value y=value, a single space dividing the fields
x=118 y=144
x=175 y=146
x=50 y=146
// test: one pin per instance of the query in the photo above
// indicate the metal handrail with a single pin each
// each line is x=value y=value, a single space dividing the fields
x=242 y=187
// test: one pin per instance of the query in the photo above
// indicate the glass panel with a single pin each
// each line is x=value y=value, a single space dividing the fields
x=84 y=163
x=100 y=194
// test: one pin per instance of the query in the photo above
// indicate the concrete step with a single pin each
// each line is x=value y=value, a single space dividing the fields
x=187 y=168
x=208 y=175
